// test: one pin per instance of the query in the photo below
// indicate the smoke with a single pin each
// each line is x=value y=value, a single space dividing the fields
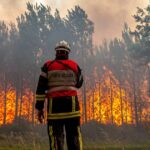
x=10 y=9
x=107 y=15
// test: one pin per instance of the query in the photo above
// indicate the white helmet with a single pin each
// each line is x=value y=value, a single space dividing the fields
x=63 y=46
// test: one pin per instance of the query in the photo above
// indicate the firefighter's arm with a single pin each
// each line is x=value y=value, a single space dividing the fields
x=40 y=93
x=79 y=78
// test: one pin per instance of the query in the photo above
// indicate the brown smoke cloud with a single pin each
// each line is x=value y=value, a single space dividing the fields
x=107 y=15
x=10 y=9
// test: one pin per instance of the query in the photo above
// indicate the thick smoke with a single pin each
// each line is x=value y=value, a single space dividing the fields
x=107 y=15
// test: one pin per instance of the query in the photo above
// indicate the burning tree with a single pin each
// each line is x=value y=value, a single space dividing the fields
x=115 y=87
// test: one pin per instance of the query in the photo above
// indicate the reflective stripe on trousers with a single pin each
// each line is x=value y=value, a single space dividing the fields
x=51 y=138
x=73 y=134
x=71 y=113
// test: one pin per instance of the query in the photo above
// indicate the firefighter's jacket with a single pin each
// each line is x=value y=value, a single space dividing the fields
x=58 y=82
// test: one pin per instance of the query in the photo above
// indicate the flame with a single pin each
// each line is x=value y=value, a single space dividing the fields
x=24 y=105
x=1 y=108
x=107 y=101
x=145 y=97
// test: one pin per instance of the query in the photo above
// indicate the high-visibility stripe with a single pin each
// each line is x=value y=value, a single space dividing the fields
x=62 y=88
x=80 y=138
x=52 y=144
x=50 y=105
x=40 y=99
x=40 y=96
x=64 y=115
x=73 y=103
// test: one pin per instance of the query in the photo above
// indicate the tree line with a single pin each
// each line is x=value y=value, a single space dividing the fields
x=26 y=44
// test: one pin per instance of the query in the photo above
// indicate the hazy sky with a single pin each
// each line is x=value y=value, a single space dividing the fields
x=107 y=15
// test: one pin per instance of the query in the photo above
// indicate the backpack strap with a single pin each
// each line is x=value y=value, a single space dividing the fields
x=64 y=64
x=68 y=67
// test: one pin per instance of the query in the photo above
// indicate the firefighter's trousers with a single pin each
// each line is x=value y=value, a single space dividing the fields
x=56 y=134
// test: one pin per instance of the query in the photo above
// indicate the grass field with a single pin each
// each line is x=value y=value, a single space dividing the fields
x=91 y=148
x=86 y=147
x=95 y=137
x=28 y=143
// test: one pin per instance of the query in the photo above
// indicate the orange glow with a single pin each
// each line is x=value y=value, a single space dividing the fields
x=104 y=101
x=1 y=107
x=107 y=101
x=24 y=105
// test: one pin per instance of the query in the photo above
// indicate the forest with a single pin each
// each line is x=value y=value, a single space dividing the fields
x=116 y=89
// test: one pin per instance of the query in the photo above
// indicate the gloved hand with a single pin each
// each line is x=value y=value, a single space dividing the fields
x=40 y=116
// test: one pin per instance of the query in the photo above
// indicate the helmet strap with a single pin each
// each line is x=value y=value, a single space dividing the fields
x=61 y=56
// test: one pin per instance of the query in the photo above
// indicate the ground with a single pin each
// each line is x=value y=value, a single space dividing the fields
x=96 y=136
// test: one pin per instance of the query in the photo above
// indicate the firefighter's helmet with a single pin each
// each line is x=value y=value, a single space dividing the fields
x=62 y=46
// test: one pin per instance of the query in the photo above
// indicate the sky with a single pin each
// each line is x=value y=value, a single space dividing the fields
x=108 y=15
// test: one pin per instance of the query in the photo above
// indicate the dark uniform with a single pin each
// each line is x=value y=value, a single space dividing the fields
x=58 y=82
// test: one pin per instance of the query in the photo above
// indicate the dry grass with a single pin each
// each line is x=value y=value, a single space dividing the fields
x=96 y=137
x=20 y=143
x=91 y=147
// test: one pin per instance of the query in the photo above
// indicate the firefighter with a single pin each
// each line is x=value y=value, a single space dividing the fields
x=58 y=82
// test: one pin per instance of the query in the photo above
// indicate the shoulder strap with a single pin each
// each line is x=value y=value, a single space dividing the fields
x=59 y=63
x=64 y=65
